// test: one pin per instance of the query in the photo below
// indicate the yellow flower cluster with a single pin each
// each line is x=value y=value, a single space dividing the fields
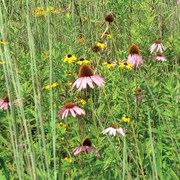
x=83 y=61
x=60 y=125
x=125 y=65
x=102 y=45
x=40 y=11
x=108 y=64
x=51 y=86
x=4 y=42
x=69 y=160
x=125 y=118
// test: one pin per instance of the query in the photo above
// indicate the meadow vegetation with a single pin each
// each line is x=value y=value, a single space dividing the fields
x=75 y=104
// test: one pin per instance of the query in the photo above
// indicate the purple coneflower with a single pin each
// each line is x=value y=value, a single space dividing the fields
x=138 y=96
x=87 y=146
x=72 y=108
x=113 y=130
x=157 y=46
x=4 y=103
x=87 y=78
x=134 y=58
x=160 y=57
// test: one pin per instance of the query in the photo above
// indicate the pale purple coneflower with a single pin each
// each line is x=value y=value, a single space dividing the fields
x=160 y=57
x=87 y=78
x=157 y=46
x=134 y=58
x=113 y=130
x=4 y=103
x=87 y=147
x=72 y=108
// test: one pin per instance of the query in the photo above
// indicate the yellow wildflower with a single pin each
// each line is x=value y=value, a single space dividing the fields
x=125 y=118
x=70 y=58
x=83 y=102
x=102 y=45
x=55 y=84
x=106 y=35
x=39 y=11
x=83 y=61
x=62 y=138
x=4 y=42
x=125 y=65
x=108 y=64
x=2 y=62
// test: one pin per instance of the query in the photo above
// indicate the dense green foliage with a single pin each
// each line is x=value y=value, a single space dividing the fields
x=35 y=143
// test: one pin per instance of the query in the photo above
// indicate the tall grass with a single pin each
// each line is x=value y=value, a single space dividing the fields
x=31 y=144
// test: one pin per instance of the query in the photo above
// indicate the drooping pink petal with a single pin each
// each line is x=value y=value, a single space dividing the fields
x=5 y=106
x=1 y=101
x=89 y=82
x=65 y=114
x=89 y=149
x=61 y=111
x=121 y=131
x=78 y=110
x=72 y=112
x=77 y=150
x=100 y=78
x=153 y=47
x=16 y=101
x=107 y=130
x=84 y=83
x=97 y=81
x=77 y=83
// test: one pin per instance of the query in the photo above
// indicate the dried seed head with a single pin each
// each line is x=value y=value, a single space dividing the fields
x=134 y=49
x=158 y=41
x=6 y=99
x=96 y=49
x=87 y=142
x=69 y=105
x=85 y=70
x=138 y=90
x=109 y=18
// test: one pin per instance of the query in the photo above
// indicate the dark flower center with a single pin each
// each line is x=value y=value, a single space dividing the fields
x=138 y=89
x=125 y=64
x=108 y=62
x=69 y=56
x=85 y=70
x=69 y=105
x=158 y=41
x=134 y=49
x=109 y=18
x=113 y=126
x=159 y=54
x=87 y=142
x=81 y=59
x=6 y=99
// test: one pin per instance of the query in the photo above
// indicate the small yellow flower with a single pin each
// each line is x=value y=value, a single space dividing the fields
x=53 y=10
x=61 y=125
x=125 y=118
x=102 y=45
x=65 y=159
x=70 y=58
x=108 y=64
x=69 y=74
x=48 y=87
x=39 y=11
x=69 y=83
x=108 y=35
x=71 y=160
x=4 y=42
x=54 y=84
x=46 y=54
x=125 y=65
x=62 y=139
x=83 y=61
x=83 y=102
x=2 y=62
